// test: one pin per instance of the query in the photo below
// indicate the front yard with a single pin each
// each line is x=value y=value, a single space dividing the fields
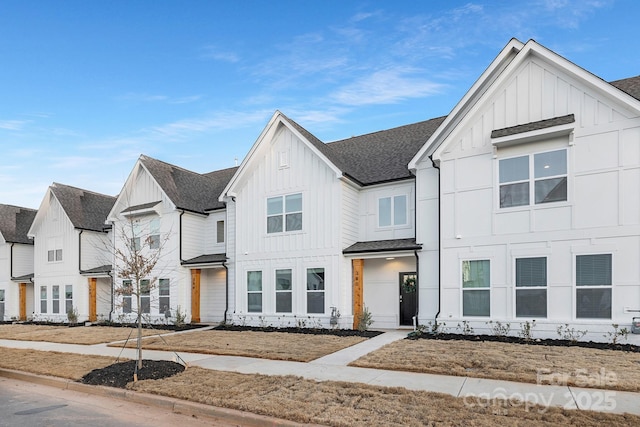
x=71 y=335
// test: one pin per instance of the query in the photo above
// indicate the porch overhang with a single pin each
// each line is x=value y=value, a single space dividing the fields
x=101 y=271
x=205 y=261
x=382 y=248
x=27 y=278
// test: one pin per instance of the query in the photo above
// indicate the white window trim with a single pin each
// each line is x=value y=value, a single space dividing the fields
x=462 y=289
x=407 y=223
x=575 y=252
x=515 y=287
x=532 y=180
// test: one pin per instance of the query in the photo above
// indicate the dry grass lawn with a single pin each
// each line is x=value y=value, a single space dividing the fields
x=329 y=403
x=583 y=367
x=265 y=345
x=76 y=335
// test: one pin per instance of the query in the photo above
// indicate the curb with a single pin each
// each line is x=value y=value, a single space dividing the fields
x=176 y=406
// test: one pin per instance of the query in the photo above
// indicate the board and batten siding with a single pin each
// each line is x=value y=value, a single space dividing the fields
x=369 y=197
x=194 y=232
x=601 y=214
x=96 y=249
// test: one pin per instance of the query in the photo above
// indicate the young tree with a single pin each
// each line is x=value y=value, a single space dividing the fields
x=137 y=250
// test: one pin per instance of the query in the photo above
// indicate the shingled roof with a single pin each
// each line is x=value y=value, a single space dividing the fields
x=383 y=156
x=189 y=190
x=630 y=85
x=86 y=210
x=15 y=223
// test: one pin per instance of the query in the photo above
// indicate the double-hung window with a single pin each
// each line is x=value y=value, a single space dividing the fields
x=164 y=292
x=533 y=179
x=55 y=297
x=43 y=299
x=315 y=290
x=284 y=213
x=531 y=287
x=68 y=298
x=126 y=296
x=145 y=296
x=476 y=297
x=283 y=291
x=254 y=291
x=392 y=211
x=593 y=286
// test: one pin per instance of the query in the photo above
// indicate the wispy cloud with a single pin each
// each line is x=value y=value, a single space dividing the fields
x=387 y=87
x=215 y=53
x=13 y=124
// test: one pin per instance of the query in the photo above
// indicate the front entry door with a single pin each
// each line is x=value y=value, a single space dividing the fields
x=408 y=298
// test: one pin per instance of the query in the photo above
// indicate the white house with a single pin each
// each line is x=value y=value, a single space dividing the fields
x=319 y=228
x=533 y=183
x=71 y=258
x=16 y=262
x=177 y=212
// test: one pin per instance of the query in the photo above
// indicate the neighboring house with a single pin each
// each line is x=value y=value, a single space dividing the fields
x=175 y=211
x=321 y=227
x=16 y=262
x=533 y=182
x=72 y=261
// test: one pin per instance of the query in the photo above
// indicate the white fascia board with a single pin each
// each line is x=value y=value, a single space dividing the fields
x=473 y=95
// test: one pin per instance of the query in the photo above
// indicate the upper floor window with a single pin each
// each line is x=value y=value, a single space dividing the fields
x=284 y=213
x=54 y=255
x=220 y=232
x=545 y=173
x=154 y=233
x=392 y=211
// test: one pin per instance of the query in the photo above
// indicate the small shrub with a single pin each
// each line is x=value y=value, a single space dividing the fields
x=465 y=328
x=181 y=317
x=72 y=315
x=365 y=319
x=526 y=330
x=437 y=328
x=570 y=334
x=617 y=334
x=498 y=328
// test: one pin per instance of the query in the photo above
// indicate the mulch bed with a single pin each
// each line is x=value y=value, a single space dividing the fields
x=517 y=340
x=307 y=331
x=119 y=374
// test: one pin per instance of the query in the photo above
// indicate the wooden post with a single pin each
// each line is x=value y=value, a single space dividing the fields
x=93 y=316
x=195 y=295
x=358 y=294
x=22 y=289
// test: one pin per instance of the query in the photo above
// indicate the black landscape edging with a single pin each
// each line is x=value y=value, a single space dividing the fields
x=533 y=341
x=308 y=331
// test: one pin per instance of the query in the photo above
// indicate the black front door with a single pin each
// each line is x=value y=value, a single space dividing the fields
x=408 y=298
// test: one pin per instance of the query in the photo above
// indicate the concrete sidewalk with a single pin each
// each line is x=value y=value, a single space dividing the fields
x=334 y=368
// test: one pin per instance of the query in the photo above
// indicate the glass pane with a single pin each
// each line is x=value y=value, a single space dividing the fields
x=531 y=272
x=514 y=195
x=43 y=306
x=294 y=222
x=274 y=206
x=399 y=210
x=56 y=292
x=126 y=287
x=283 y=302
x=274 y=224
x=255 y=303
x=550 y=164
x=154 y=241
x=384 y=212
x=475 y=274
x=164 y=304
x=68 y=306
x=551 y=190
x=1 y=295
x=516 y=169
x=145 y=304
x=283 y=280
x=531 y=303
x=593 y=303
x=56 y=306
x=220 y=232
x=315 y=302
x=315 y=279
x=163 y=288
x=144 y=287
x=43 y=292
x=58 y=254
x=254 y=281
x=50 y=256
x=154 y=226
x=294 y=203
x=593 y=270
x=475 y=303
x=126 y=305
x=68 y=292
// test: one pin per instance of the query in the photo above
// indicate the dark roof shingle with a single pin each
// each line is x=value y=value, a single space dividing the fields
x=15 y=223
x=86 y=210
x=630 y=85
x=383 y=246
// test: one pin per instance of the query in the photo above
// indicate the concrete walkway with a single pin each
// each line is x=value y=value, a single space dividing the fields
x=334 y=367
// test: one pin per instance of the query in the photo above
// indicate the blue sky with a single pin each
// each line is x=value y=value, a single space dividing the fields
x=88 y=86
